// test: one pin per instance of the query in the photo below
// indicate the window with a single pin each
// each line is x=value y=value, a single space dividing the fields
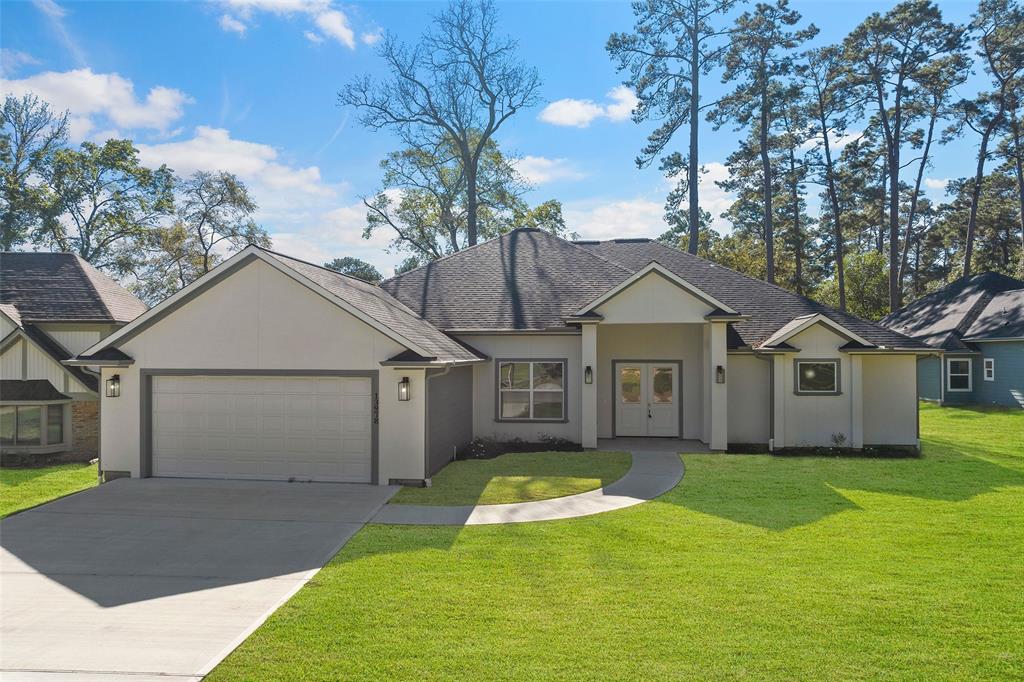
x=531 y=390
x=817 y=376
x=24 y=425
x=958 y=374
x=990 y=369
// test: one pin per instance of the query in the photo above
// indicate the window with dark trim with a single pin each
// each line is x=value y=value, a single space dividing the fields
x=817 y=377
x=28 y=425
x=531 y=390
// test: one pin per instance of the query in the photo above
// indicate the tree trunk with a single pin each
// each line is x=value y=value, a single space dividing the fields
x=880 y=236
x=833 y=197
x=1018 y=164
x=913 y=201
x=471 y=201
x=979 y=174
x=894 y=231
x=798 y=237
x=766 y=171
x=694 y=166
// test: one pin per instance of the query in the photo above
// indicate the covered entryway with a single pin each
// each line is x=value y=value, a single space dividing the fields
x=647 y=398
x=305 y=428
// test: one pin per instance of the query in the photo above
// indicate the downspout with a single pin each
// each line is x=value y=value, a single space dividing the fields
x=427 y=376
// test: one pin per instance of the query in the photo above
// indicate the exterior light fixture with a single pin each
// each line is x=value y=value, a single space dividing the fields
x=719 y=374
x=114 y=386
x=588 y=375
x=403 y=389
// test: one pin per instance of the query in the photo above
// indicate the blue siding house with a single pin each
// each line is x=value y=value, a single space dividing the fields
x=976 y=326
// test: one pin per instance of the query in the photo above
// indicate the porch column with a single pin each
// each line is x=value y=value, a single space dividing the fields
x=856 y=401
x=588 y=392
x=719 y=394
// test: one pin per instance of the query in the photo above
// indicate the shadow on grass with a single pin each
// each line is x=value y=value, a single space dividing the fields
x=779 y=493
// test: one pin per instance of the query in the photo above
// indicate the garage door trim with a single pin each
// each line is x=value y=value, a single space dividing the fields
x=146 y=402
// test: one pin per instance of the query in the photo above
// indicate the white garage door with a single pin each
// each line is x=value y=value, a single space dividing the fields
x=302 y=428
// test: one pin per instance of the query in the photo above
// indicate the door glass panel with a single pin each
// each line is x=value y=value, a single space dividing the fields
x=547 y=376
x=661 y=385
x=515 y=404
x=29 y=425
x=629 y=382
x=515 y=374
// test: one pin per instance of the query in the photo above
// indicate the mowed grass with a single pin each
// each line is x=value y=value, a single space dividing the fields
x=23 y=488
x=754 y=567
x=519 y=477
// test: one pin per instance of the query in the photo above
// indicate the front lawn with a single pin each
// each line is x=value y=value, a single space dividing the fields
x=754 y=567
x=519 y=477
x=22 y=488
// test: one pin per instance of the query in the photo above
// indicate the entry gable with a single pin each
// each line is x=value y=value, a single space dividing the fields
x=800 y=324
x=655 y=294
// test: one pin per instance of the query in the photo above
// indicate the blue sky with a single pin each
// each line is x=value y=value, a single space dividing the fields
x=250 y=86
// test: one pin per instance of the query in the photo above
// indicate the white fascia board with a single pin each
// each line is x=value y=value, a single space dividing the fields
x=180 y=298
x=812 y=320
x=655 y=267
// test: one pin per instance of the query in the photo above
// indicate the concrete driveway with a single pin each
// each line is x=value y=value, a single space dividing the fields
x=161 y=578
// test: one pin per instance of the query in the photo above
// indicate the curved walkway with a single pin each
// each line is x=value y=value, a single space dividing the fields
x=652 y=474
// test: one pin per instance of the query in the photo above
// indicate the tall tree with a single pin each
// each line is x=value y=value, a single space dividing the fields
x=831 y=104
x=30 y=135
x=355 y=267
x=999 y=28
x=673 y=43
x=459 y=84
x=1013 y=151
x=213 y=219
x=889 y=55
x=759 y=55
x=105 y=204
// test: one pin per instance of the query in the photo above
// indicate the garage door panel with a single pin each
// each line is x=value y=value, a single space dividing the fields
x=304 y=428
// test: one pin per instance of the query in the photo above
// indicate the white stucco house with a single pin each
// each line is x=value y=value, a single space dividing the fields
x=270 y=367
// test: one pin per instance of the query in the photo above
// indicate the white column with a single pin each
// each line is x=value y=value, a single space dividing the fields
x=856 y=401
x=588 y=392
x=780 y=377
x=717 y=357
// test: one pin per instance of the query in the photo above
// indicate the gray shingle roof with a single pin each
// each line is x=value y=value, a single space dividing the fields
x=382 y=307
x=29 y=390
x=61 y=287
x=1002 y=318
x=942 y=318
x=530 y=279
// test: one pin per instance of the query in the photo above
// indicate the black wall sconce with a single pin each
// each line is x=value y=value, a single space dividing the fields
x=719 y=374
x=588 y=375
x=114 y=386
x=403 y=389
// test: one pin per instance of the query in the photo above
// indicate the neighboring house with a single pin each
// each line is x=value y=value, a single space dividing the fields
x=52 y=306
x=977 y=323
x=270 y=367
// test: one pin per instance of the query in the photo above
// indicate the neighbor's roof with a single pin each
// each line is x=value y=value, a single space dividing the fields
x=1002 y=318
x=942 y=318
x=30 y=390
x=529 y=279
x=61 y=287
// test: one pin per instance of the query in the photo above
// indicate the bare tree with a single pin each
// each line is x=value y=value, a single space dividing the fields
x=461 y=82
x=674 y=43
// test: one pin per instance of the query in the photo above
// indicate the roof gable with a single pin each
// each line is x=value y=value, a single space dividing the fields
x=803 y=323
x=706 y=303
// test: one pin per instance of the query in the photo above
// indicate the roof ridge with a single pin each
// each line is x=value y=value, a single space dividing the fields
x=315 y=265
x=79 y=261
x=450 y=255
x=579 y=247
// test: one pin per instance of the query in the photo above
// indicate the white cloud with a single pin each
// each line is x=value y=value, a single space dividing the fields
x=372 y=37
x=836 y=141
x=49 y=8
x=233 y=25
x=539 y=170
x=580 y=113
x=12 y=60
x=108 y=96
x=936 y=183
x=55 y=14
x=330 y=21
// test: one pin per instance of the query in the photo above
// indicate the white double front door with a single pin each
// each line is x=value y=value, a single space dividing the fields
x=646 y=399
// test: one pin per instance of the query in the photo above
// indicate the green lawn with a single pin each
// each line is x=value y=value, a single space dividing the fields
x=754 y=567
x=22 y=488
x=519 y=477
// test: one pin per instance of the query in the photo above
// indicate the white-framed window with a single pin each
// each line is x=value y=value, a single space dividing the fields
x=28 y=425
x=817 y=377
x=989 y=369
x=531 y=390
x=958 y=374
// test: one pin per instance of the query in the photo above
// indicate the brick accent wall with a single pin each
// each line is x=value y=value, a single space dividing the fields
x=85 y=427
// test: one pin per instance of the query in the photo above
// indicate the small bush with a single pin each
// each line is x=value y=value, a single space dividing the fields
x=489 y=448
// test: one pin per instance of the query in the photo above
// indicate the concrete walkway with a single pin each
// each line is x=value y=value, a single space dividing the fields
x=652 y=474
